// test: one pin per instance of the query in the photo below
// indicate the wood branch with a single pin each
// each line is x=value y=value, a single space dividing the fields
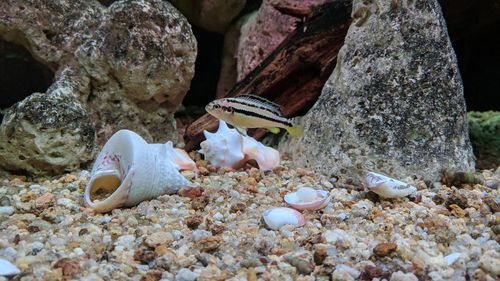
x=295 y=72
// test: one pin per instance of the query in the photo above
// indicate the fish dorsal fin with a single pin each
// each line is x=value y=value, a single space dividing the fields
x=275 y=108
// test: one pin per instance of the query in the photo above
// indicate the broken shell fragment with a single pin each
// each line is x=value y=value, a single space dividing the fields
x=387 y=187
x=307 y=198
x=128 y=171
x=275 y=218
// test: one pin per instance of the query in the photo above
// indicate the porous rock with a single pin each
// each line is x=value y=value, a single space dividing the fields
x=129 y=65
x=394 y=102
x=50 y=30
x=46 y=133
x=141 y=60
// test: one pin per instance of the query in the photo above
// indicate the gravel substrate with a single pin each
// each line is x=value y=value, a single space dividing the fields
x=215 y=232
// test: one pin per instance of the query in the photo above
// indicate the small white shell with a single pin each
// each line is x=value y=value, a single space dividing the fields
x=306 y=198
x=275 y=218
x=228 y=148
x=387 y=187
x=129 y=171
x=7 y=268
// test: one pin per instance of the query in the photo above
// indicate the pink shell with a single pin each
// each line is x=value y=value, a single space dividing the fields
x=315 y=199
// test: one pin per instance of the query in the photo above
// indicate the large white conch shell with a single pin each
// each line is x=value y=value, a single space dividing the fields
x=228 y=148
x=387 y=187
x=128 y=171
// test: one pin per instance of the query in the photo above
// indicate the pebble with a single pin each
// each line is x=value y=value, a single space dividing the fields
x=7 y=268
x=384 y=249
x=7 y=210
x=218 y=216
x=452 y=258
x=200 y=234
x=185 y=274
x=159 y=238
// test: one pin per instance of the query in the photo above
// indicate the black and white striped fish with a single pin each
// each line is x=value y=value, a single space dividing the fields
x=249 y=111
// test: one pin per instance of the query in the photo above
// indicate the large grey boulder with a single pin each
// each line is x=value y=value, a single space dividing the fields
x=394 y=103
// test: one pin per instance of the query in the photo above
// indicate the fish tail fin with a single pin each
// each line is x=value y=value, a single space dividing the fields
x=295 y=131
x=274 y=130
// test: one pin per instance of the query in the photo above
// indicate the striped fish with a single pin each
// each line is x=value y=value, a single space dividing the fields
x=249 y=111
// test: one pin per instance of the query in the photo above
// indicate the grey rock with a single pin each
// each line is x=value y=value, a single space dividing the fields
x=126 y=66
x=46 y=133
x=141 y=61
x=394 y=103
x=50 y=30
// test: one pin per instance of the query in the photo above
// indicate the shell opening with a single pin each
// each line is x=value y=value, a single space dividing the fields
x=102 y=187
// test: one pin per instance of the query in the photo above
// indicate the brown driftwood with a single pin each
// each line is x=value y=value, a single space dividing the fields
x=295 y=72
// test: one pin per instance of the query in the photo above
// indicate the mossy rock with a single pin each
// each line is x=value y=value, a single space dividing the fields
x=484 y=130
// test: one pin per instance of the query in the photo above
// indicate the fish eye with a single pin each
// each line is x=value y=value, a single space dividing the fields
x=216 y=106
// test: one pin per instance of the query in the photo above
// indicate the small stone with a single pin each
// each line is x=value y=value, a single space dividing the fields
x=199 y=203
x=185 y=274
x=384 y=249
x=209 y=244
x=7 y=268
x=193 y=221
x=69 y=267
x=7 y=210
x=33 y=228
x=496 y=229
x=401 y=276
x=456 y=211
x=218 y=216
x=191 y=192
x=320 y=253
x=153 y=275
x=144 y=256
x=159 y=238
x=238 y=207
x=452 y=258
x=370 y=272
x=344 y=272
x=216 y=228
x=200 y=234
x=4 y=201
x=492 y=203
x=302 y=262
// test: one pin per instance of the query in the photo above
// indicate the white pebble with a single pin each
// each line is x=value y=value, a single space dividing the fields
x=199 y=234
x=218 y=216
x=451 y=258
x=127 y=241
x=185 y=275
x=7 y=268
x=7 y=210
x=401 y=276
x=342 y=269
x=67 y=203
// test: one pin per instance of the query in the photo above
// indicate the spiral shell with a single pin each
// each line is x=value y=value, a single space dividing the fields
x=228 y=148
x=128 y=171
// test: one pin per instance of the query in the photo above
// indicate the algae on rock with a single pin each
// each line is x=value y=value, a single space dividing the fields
x=484 y=130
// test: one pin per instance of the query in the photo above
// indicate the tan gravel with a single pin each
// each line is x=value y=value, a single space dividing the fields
x=215 y=232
